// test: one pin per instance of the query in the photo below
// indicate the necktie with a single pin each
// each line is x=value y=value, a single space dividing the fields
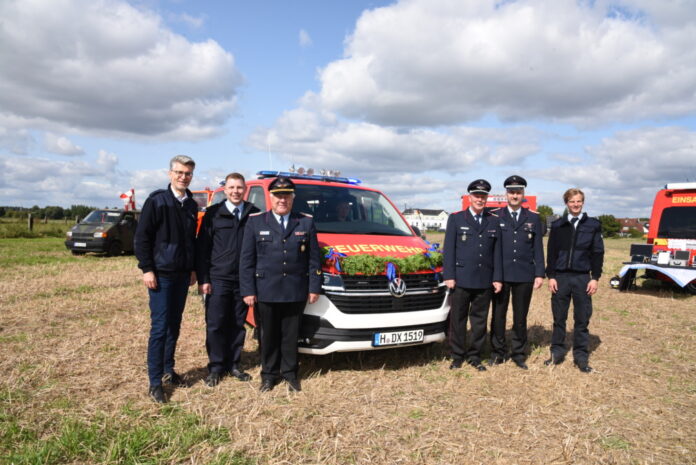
x=478 y=219
x=514 y=217
x=573 y=221
x=235 y=212
x=282 y=223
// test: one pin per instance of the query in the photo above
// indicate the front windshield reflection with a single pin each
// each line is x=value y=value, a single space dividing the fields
x=345 y=210
x=102 y=216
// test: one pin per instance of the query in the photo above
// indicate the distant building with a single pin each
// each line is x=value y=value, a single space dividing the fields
x=626 y=224
x=425 y=219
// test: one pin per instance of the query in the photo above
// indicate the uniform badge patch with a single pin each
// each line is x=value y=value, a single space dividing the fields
x=300 y=233
x=302 y=248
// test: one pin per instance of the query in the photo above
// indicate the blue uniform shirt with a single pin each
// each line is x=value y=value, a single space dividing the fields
x=277 y=266
x=523 y=250
x=472 y=255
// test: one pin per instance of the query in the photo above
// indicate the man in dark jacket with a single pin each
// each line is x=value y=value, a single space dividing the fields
x=472 y=270
x=575 y=257
x=217 y=265
x=280 y=271
x=523 y=271
x=165 y=249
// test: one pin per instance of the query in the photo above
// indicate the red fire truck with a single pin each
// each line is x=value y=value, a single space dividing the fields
x=499 y=201
x=670 y=252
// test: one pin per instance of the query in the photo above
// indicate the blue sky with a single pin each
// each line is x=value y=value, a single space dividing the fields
x=416 y=97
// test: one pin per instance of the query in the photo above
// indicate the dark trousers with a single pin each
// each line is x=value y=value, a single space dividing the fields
x=521 y=297
x=225 y=312
x=166 y=308
x=471 y=305
x=571 y=285
x=280 y=325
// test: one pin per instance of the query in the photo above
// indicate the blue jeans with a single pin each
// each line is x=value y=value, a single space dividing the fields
x=166 y=307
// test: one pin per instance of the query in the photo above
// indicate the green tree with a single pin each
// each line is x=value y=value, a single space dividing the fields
x=544 y=212
x=54 y=212
x=610 y=225
x=79 y=210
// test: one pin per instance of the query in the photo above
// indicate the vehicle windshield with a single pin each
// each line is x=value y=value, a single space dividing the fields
x=678 y=223
x=201 y=199
x=102 y=216
x=218 y=197
x=346 y=210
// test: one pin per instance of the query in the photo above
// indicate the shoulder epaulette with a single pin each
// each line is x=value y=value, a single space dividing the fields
x=256 y=214
x=306 y=214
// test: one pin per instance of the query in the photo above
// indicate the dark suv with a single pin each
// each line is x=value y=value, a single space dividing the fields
x=104 y=231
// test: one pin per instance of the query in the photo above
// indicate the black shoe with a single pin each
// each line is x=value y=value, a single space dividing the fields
x=584 y=367
x=294 y=385
x=213 y=379
x=156 y=393
x=476 y=364
x=174 y=379
x=554 y=361
x=240 y=375
x=267 y=385
x=521 y=364
x=456 y=363
x=496 y=360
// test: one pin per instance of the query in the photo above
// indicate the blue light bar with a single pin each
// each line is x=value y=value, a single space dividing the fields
x=313 y=177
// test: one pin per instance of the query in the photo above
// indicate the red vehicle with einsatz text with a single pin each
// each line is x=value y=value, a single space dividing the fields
x=670 y=254
x=365 y=303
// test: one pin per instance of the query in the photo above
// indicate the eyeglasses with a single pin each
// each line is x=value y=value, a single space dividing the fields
x=182 y=174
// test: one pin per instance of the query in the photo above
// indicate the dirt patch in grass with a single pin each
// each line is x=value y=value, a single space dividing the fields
x=73 y=339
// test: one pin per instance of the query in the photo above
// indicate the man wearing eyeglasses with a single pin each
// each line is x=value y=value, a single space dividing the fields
x=165 y=249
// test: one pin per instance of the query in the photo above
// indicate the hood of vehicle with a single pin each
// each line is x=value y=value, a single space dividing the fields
x=91 y=228
x=357 y=244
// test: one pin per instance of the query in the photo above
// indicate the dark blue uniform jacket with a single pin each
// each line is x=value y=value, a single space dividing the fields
x=166 y=234
x=277 y=267
x=578 y=249
x=523 y=249
x=219 y=243
x=473 y=253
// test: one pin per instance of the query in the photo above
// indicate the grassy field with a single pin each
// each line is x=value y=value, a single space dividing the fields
x=17 y=228
x=73 y=335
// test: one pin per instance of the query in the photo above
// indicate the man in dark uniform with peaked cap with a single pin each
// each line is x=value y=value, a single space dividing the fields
x=472 y=271
x=523 y=271
x=280 y=271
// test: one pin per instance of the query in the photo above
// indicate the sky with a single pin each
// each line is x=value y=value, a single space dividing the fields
x=414 y=97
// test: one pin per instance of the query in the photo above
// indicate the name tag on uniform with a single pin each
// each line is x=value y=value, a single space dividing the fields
x=464 y=227
x=502 y=225
x=300 y=233
x=264 y=233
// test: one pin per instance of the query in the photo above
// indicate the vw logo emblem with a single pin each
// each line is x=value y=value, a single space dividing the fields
x=397 y=287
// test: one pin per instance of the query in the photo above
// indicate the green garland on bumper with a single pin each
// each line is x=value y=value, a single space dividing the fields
x=366 y=264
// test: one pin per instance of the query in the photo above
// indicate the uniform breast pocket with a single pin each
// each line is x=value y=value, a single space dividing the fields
x=263 y=243
x=584 y=237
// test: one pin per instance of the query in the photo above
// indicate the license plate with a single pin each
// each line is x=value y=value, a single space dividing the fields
x=80 y=244
x=397 y=337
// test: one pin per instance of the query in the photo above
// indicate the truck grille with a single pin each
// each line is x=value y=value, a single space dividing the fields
x=370 y=294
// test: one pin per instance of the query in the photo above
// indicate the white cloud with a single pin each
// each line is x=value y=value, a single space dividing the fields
x=194 y=22
x=320 y=140
x=305 y=39
x=103 y=67
x=61 y=145
x=16 y=141
x=431 y=62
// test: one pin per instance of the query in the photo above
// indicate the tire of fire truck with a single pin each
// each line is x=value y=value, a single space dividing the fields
x=115 y=249
x=691 y=287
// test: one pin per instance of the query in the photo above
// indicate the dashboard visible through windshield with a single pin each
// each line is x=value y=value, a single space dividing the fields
x=346 y=210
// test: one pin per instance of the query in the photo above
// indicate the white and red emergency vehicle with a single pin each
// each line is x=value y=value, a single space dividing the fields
x=670 y=254
x=496 y=201
x=361 y=311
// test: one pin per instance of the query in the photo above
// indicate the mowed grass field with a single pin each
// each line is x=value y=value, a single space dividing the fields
x=73 y=336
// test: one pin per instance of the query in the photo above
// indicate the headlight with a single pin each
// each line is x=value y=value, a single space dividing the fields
x=99 y=234
x=69 y=233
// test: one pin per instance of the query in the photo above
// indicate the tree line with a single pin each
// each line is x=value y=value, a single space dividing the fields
x=51 y=212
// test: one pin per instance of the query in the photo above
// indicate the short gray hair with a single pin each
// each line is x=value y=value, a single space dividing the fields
x=183 y=160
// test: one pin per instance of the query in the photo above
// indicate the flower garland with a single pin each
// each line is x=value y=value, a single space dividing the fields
x=367 y=264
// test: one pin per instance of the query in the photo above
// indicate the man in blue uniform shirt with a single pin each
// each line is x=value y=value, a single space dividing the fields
x=523 y=269
x=472 y=271
x=280 y=271
x=217 y=265
x=575 y=256
x=165 y=249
